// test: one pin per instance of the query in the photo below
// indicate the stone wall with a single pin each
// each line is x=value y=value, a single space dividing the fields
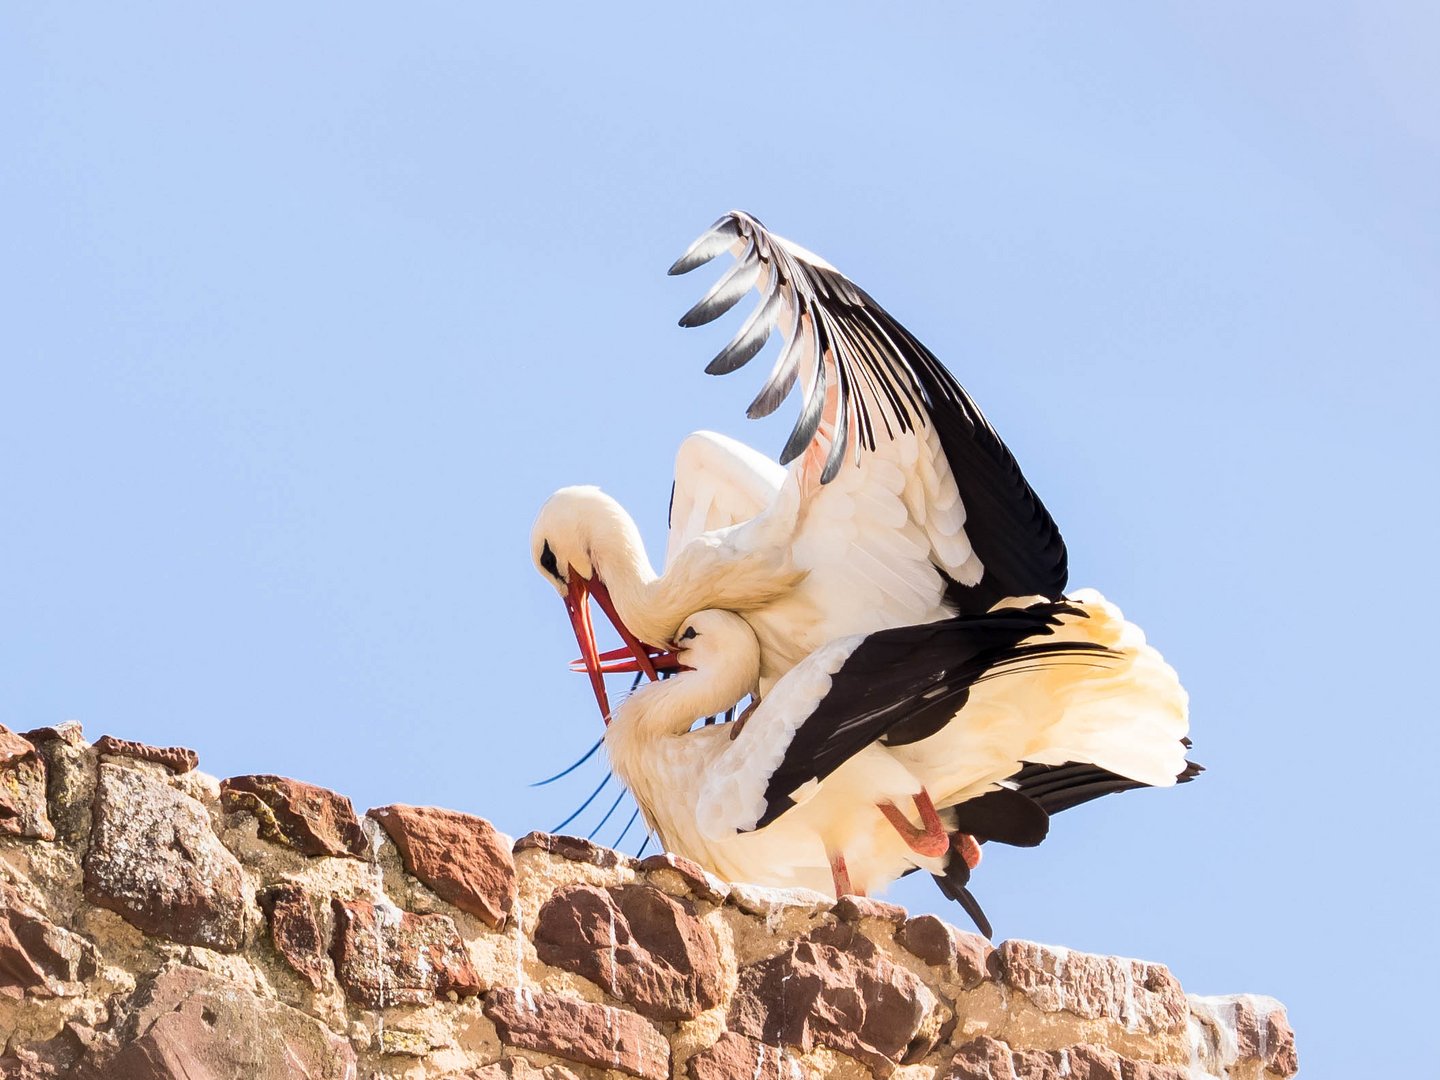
x=157 y=923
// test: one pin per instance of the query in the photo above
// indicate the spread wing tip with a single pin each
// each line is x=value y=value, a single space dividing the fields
x=712 y=242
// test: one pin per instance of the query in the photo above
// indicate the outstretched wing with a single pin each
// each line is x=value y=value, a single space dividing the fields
x=867 y=383
x=718 y=483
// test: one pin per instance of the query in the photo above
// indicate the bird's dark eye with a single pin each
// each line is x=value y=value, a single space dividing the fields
x=689 y=634
x=548 y=563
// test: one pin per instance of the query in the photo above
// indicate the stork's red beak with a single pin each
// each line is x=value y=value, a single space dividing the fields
x=634 y=656
x=622 y=661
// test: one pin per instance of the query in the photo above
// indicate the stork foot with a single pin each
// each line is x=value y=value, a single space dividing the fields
x=967 y=847
x=930 y=840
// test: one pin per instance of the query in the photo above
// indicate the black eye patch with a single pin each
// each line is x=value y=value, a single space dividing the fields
x=548 y=563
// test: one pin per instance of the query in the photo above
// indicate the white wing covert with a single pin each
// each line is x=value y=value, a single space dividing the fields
x=719 y=482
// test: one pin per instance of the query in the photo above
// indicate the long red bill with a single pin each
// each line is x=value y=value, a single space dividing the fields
x=638 y=649
x=577 y=606
x=634 y=656
x=622 y=661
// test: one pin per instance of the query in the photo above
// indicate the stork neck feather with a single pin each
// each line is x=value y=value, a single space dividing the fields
x=671 y=707
x=618 y=558
x=651 y=606
x=709 y=573
x=667 y=710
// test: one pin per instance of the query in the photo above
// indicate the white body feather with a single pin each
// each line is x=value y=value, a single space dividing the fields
x=700 y=789
x=868 y=549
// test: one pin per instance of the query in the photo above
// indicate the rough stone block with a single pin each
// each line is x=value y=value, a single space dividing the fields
x=985 y=1058
x=700 y=883
x=311 y=819
x=966 y=956
x=177 y=759
x=1240 y=1030
x=36 y=956
x=385 y=956
x=187 y=1024
x=833 y=988
x=981 y=1059
x=23 y=807
x=69 y=777
x=852 y=909
x=1140 y=995
x=517 y=1068
x=155 y=861
x=573 y=848
x=641 y=945
x=735 y=1057
x=295 y=932
x=461 y=858
x=928 y=938
x=580 y=1031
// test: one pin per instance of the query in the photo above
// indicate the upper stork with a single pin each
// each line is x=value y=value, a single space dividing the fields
x=894 y=502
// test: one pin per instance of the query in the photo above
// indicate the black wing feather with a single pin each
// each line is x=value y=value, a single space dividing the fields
x=1021 y=815
x=903 y=685
x=1009 y=528
x=1007 y=816
x=952 y=884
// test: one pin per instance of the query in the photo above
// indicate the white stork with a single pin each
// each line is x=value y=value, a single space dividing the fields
x=900 y=504
x=1004 y=717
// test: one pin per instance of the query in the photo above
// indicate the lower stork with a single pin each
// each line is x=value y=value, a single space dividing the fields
x=867 y=757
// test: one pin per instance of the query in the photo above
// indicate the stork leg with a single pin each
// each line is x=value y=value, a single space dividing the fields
x=931 y=839
x=738 y=724
x=841 y=875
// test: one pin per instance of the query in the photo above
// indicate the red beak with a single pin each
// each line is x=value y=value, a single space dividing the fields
x=622 y=661
x=635 y=656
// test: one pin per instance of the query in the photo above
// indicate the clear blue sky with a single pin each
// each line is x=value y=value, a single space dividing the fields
x=305 y=309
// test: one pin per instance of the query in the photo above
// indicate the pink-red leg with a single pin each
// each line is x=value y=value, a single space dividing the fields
x=967 y=847
x=930 y=839
x=841 y=875
x=738 y=724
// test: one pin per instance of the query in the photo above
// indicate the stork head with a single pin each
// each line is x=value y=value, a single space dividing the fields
x=579 y=531
x=722 y=645
x=563 y=537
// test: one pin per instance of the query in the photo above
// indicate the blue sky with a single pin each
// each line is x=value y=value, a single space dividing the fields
x=304 y=312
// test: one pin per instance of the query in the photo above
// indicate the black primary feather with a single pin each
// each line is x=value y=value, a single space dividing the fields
x=952 y=884
x=1021 y=815
x=716 y=239
x=749 y=341
x=1007 y=816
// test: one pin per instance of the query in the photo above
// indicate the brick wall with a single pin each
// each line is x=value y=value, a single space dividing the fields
x=156 y=923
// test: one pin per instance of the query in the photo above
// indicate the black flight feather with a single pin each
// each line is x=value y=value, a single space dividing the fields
x=952 y=884
x=902 y=685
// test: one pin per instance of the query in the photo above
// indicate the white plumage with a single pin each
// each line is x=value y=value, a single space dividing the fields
x=868 y=526
x=1113 y=703
x=864 y=588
